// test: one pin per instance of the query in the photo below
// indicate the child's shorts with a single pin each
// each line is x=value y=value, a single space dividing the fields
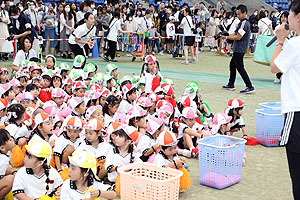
x=170 y=40
x=151 y=42
x=180 y=143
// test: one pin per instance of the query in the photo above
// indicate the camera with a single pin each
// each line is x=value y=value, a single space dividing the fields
x=221 y=33
x=10 y=38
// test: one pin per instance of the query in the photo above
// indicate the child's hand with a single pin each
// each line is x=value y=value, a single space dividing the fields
x=52 y=143
x=179 y=163
x=95 y=193
x=57 y=195
x=183 y=159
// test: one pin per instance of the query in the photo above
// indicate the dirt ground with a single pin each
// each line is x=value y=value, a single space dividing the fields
x=265 y=175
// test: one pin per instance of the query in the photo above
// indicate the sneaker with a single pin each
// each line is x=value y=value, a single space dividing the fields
x=106 y=59
x=195 y=152
x=161 y=53
x=229 y=54
x=212 y=50
x=277 y=80
x=153 y=53
x=192 y=60
x=228 y=87
x=133 y=59
x=248 y=90
x=185 y=62
x=113 y=60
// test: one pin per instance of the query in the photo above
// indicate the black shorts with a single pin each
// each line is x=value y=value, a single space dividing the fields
x=229 y=41
x=189 y=40
x=290 y=135
x=180 y=143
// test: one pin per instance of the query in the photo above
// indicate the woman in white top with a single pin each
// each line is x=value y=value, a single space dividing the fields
x=5 y=46
x=211 y=31
x=81 y=40
x=83 y=8
x=32 y=15
x=189 y=38
x=264 y=25
x=25 y=53
x=112 y=37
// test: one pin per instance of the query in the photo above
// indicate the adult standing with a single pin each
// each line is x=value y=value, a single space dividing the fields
x=264 y=24
x=211 y=31
x=67 y=24
x=189 y=38
x=81 y=40
x=241 y=38
x=112 y=37
x=22 y=26
x=221 y=4
x=253 y=20
x=25 y=53
x=287 y=61
x=83 y=8
x=5 y=46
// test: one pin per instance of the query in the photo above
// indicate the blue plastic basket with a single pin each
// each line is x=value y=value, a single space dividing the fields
x=220 y=160
x=269 y=124
x=272 y=105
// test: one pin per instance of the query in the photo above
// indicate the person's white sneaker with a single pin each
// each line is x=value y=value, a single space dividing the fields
x=185 y=62
x=277 y=80
x=161 y=53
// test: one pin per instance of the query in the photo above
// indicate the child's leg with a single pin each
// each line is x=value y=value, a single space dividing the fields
x=66 y=153
x=150 y=49
x=6 y=184
x=204 y=108
x=188 y=142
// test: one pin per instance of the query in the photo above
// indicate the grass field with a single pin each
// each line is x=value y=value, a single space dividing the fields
x=265 y=175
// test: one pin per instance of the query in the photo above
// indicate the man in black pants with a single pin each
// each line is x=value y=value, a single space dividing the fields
x=241 y=39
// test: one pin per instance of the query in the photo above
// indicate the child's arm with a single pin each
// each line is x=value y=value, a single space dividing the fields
x=177 y=164
x=193 y=133
x=244 y=132
x=22 y=196
x=57 y=163
x=151 y=150
x=103 y=194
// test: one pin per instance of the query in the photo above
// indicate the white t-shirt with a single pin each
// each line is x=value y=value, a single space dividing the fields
x=37 y=137
x=124 y=107
x=33 y=186
x=187 y=26
x=145 y=143
x=69 y=191
x=21 y=55
x=264 y=25
x=233 y=26
x=79 y=16
x=62 y=142
x=114 y=26
x=4 y=163
x=98 y=152
x=83 y=33
x=239 y=121
x=147 y=79
x=18 y=132
x=114 y=159
x=170 y=30
x=162 y=160
x=182 y=127
x=288 y=62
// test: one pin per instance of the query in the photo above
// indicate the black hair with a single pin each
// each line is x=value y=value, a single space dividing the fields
x=13 y=10
x=18 y=111
x=53 y=59
x=47 y=77
x=261 y=15
x=86 y=16
x=164 y=147
x=5 y=94
x=242 y=8
x=35 y=59
x=122 y=133
x=213 y=12
x=61 y=83
x=131 y=120
x=4 y=136
x=31 y=87
x=125 y=82
x=188 y=10
x=285 y=14
x=79 y=105
x=145 y=64
x=111 y=100
x=94 y=101
x=90 y=177
x=115 y=15
x=57 y=125
x=130 y=92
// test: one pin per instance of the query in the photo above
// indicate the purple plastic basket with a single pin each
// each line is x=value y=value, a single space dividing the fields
x=220 y=160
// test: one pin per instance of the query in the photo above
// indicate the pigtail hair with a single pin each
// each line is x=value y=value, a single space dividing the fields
x=131 y=153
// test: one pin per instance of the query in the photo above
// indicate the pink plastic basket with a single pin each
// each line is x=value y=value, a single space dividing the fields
x=145 y=181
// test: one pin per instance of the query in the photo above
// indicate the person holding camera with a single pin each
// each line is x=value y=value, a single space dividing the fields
x=33 y=16
x=21 y=25
x=286 y=59
x=189 y=37
x=241 y=39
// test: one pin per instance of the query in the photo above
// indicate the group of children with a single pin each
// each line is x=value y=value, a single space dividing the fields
x=79 y=125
